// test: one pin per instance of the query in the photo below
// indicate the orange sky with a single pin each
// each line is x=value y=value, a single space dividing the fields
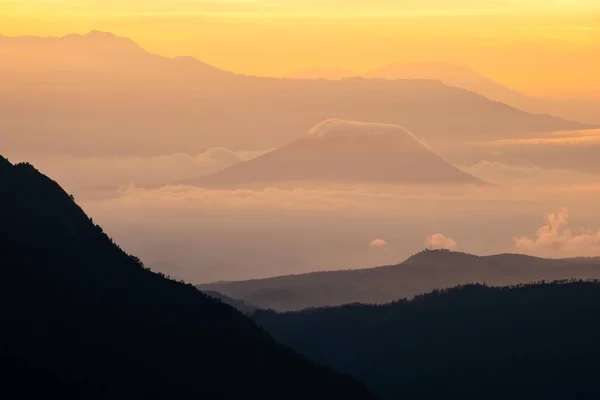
x=547 y=47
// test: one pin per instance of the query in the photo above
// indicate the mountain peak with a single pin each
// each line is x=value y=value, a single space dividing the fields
x=100 y=34
x=102 y=40
x=439 y=256
x=335 y=128
x=346 y=151
x=4 y=161
x=5 y=165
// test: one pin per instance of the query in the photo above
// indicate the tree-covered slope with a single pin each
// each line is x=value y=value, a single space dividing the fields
x=537 y=341
x=81 y=319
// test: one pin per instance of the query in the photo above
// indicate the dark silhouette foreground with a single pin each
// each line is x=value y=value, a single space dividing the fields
x=537 y=341
x=81 y=319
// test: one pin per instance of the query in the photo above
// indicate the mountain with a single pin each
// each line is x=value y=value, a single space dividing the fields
x=83 y=319
x=168 y=269
x=344 y=151
x=237 y=304
x=584 y=110
x=94 y=54
x=577 y=109
x=319 y=73
x=458 y=76
x=117 y=99
x=419 y=274
x=526 y=342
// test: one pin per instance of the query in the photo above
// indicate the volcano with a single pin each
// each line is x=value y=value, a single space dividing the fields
x=345 y=152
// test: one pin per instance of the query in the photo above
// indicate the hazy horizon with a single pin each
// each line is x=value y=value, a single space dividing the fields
x=206 y=235
x=246 y=161
x=300 y=199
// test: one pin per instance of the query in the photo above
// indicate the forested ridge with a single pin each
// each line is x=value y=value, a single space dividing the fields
x=81 y=319
x=534 y=341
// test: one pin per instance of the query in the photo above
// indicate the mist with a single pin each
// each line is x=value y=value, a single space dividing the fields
x=210 y=175
x=238 y=234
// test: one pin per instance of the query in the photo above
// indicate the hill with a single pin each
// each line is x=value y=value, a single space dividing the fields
x=74 y=57
x=526 y=342
x=419 y=274
x=320 y=73
x=83 y=319
x=584 y=110
x=116 y=95
x=458 y=76
x=345 y=151
x=237 y=304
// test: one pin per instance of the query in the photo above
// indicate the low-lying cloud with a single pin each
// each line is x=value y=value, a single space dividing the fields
x=510 y=175
x=276 y=231
x=244 y=233
x=439 y=241
x=567 y=151
x=569 y=140
x=384 y=200
x=556 y=138
x=79 y=174
x=556 y=236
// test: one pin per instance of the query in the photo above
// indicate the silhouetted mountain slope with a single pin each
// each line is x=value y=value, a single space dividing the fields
x=239 y=305
x=5 y=165
x=78 y=88
x=419 y=274
x=528 y=342
x=82 y=319
x=346 y=151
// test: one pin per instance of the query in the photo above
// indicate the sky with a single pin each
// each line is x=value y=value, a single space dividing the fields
x=548 y=47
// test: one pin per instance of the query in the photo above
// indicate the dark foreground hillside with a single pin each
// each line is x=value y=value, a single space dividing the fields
x=83 y=320
x=536 y=341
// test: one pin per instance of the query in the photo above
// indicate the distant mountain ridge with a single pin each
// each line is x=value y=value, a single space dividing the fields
x=95 y=51
x=83 y=319
x=319 y=73
x=463 y=77
x=421 y=273
x=101 y=41
x=186 y=105
x=237 y=304
x=455 y=75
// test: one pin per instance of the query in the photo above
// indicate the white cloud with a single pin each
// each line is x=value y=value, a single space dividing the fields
x=376 y=200
x=556 y=236
x=590 y=136
x=439 y=241
x=378 y=244
x=332 y=128
x=76 y=173
x=510 y=175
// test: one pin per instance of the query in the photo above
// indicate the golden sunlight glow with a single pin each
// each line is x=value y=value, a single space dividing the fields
x=547 y=47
